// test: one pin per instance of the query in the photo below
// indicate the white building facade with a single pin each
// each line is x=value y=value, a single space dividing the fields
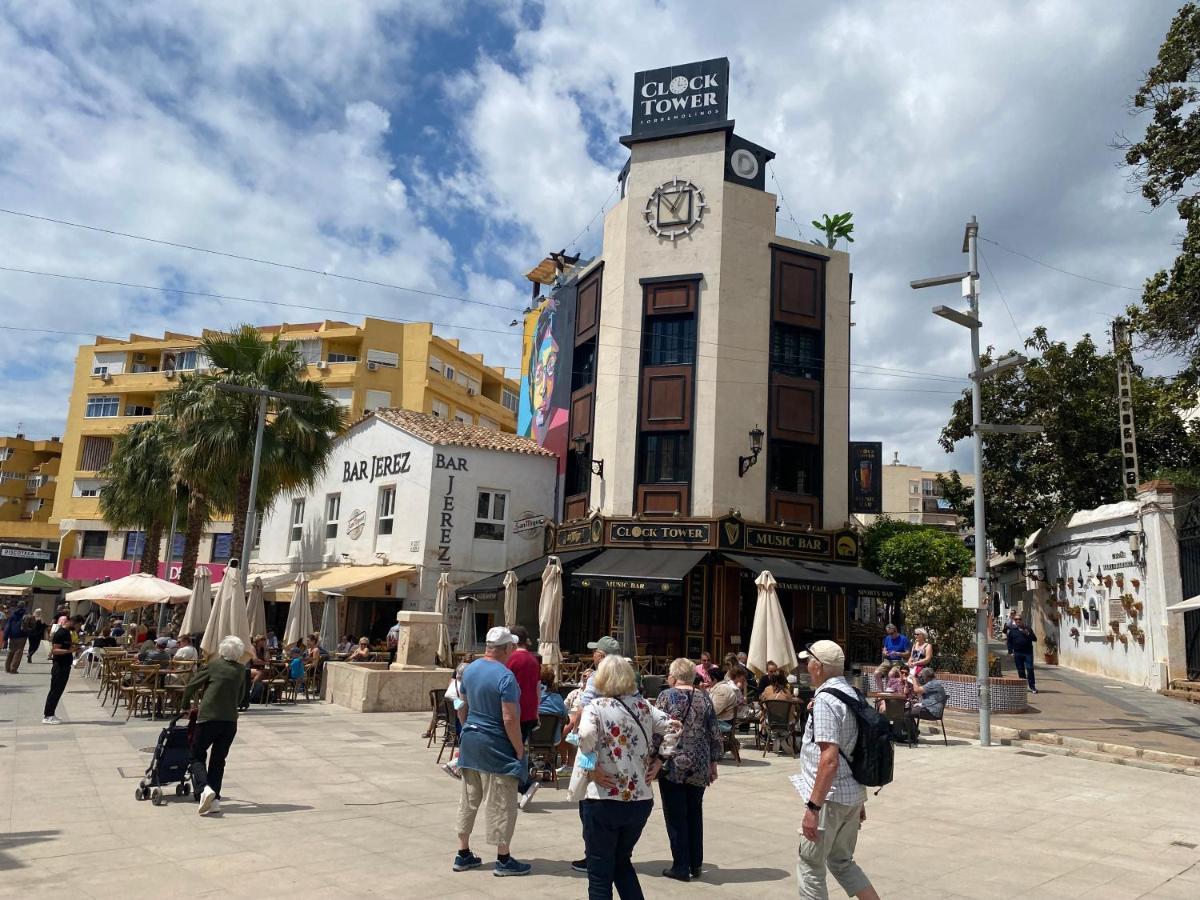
x=405 y=497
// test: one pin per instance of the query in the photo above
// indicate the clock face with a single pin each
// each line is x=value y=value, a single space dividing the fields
x=679 y=84
x=674 y=208
x=744 y=164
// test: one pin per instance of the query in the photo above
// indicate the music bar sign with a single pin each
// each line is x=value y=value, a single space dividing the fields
x=680 y=99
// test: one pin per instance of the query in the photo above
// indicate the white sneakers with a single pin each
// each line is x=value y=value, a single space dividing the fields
x=524 y=799
x=51 y=720
x=209 y=802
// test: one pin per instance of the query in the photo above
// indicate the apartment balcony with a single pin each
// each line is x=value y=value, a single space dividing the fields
x=14 y=489
x=133 y=382
x=337 y=374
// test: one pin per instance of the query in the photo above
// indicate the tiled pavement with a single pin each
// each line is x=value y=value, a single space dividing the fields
x=324 y=801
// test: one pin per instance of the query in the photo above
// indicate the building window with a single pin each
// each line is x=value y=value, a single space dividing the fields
x=440 y=409
x=485 y=422
x=94 y=545
x=11 y=476
x=96 y=453
x=584 y=372
x=135 y=545
x=86 y=487
x=309 y=350
x=180 y=360
x=344 y=396
x=489 y=515
x=379 y=399
x=222 y=548
x=102 y=406
x=473 y=385
x=465 y=417
x=335 y=357
x=914 y=487
x=795 y=351
x=795 y=468
x=384 y=358
x=135 y=410
x=296 y=527
x=333 y=511
x=579 y=472
x=435 y=364
x=509 y=400
x=666 y=458
x=387 y=510
x=670 y=341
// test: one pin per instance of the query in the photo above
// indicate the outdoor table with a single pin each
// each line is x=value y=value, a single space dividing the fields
x=894 y=709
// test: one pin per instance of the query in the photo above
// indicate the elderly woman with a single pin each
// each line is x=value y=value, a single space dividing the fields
x=361 y=653
x=921 y=654
x=692 y=769
x=224 y=683
x=620 y=729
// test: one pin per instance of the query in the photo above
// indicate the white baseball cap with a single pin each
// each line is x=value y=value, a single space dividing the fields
x=827 y=653
x=500 y=635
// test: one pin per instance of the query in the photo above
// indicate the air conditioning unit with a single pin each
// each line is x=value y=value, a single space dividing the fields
x=470 y=392
x=99 y=371
x=322 y=364
x=105 y=377
x=168 y=374
x=372 y=366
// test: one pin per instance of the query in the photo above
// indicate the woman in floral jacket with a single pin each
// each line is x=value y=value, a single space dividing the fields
x=621 y=729
x=692 y=769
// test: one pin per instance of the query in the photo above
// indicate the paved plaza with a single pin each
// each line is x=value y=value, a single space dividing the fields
x=323 y=801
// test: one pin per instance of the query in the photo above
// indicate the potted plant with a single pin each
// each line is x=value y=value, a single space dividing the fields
x=1071 y=584
x=1120 y=579
x=1110 y=639
x=1115 y=625
x=1127 y=602
x=1108 y=581
x=1136 y=582
x=1124 y=639
x=1050 y=650
x=1137 y=605
x=1053 y=617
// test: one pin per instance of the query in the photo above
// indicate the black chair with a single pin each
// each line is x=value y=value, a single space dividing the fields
x=438 y=708
x=543 y=748
x=448 y=715
x=780 y=724
x=914 y=726
x=652 y=686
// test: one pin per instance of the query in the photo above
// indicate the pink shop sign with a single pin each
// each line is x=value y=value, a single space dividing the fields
x=112 y=569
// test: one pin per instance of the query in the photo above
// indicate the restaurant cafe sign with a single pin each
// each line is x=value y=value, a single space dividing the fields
x=729 y=533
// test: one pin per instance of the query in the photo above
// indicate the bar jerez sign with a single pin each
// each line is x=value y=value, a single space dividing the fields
x=680 y=99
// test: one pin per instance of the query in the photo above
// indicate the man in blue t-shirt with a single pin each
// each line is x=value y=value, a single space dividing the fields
x=895 y=645
x=491 y=756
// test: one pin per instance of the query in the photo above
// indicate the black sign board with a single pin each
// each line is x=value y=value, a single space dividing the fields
x=866 y=477
x=680 y=99
x=779 y=541
x=16 y=559
x=684 y=534
x=746 y=163
x=626 y=583
x=572 y=537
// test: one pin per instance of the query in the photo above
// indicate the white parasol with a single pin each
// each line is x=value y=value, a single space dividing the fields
x=228 y=616
x=299 y=620
x=510 y=598
x=550 y=613
x=770 y=639
x=442 y=608
x=131 y=592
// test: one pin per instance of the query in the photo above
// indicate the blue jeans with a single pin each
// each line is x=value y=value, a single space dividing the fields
x=1024 y=664
x=611 y=828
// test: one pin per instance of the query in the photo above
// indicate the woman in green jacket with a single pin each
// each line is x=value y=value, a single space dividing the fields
x=224 y=683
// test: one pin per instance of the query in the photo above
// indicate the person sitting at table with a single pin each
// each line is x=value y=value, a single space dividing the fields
x=454 y=693
x=906 y=682
x=895 y=681
x=776 y=689
x=272 y=641
x=147 y=644
x=705 y=670
x=158 y=653
x=312 y=652
x=895 y=645
x=929 y=702
x=346 y=645
x=765 y=679
x=361 y=653
x=882 y=671
x=185 y=650
x=726 y=698
x=550 y=701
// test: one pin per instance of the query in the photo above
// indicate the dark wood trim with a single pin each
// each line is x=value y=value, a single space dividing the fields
x=573 y=427
x=668 y=279
x=654 y=375
x=679 y=492
x=650 y=294
x=786 y=249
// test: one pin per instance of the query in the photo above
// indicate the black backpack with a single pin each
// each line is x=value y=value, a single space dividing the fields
x=873 y=755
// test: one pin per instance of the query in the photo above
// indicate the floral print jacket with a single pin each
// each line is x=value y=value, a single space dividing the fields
x=624 y=744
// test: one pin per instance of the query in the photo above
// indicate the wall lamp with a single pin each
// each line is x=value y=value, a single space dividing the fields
x=745 y=462
x=597 y=465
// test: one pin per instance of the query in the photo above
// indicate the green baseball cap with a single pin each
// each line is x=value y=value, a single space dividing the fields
x=608 y=645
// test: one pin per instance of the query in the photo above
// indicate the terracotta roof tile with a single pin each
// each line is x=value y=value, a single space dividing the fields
x=452 y=432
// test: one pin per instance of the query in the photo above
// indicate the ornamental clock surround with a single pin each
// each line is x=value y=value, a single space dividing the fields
x=674 y=208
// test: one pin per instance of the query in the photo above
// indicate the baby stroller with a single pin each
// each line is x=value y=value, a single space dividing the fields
x=170 y=762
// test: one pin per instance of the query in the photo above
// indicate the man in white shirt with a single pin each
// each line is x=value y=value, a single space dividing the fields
x=185 y=650
x=836 y=804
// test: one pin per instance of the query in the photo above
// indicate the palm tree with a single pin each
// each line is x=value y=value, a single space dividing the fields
x=139 y=485
x=216 y=429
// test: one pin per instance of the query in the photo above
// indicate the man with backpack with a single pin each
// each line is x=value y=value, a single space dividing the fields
x=15 y=634
x=835 y=800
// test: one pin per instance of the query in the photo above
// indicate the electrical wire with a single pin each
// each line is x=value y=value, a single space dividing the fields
x=783 y=200
x=1047 y=265
x=1000 y=293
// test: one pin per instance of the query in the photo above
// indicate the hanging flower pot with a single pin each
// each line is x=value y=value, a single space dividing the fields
x=1071 y=584
x=1108 y=581
x=1120 y=579
x=1136 y=582
x=1137 y=605
x=1115 y=625
x=1124 y=639
x=1109 y=639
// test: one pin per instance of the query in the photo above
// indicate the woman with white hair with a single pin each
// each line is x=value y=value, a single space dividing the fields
x=224 y=684
x=921 y=654
x=620 y=729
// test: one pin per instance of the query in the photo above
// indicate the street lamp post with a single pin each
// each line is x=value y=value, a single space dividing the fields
x=263 y=396
x=970 y=320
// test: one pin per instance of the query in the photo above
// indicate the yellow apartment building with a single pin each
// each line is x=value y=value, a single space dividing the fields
x=28 y=478
x=912 y=494
x=376 y=364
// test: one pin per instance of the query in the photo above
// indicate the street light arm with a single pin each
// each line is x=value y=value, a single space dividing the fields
x=262 y=392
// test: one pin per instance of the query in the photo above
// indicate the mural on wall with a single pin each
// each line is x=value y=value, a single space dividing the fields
x=546 y=359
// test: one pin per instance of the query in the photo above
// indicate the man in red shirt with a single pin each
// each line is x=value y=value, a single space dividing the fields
x=527 y=671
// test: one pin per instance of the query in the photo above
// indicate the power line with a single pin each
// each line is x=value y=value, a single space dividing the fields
x=1047 y=265
x=588 y=227
x=783 y=200
x=255 y=259
x=1000 y=293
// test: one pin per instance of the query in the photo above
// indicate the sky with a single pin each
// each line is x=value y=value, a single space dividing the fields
x=442 y=147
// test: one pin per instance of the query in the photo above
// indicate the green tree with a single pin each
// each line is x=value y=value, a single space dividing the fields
x=139 y=485
x=875 y=535
x=835 y=227
x=216 y=429
x=912 y=558
x=1076 y=464
x=1165 y=164
x=937 y=606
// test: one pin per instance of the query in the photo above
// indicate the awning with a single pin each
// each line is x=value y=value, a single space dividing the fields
x=792 y=574
x=493 y=586
x=361 y=581
x=658 y=571
x=1185 y=605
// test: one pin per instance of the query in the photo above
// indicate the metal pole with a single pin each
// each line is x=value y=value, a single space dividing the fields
x=248 y=537
x=981 y=635
x=171 y=537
